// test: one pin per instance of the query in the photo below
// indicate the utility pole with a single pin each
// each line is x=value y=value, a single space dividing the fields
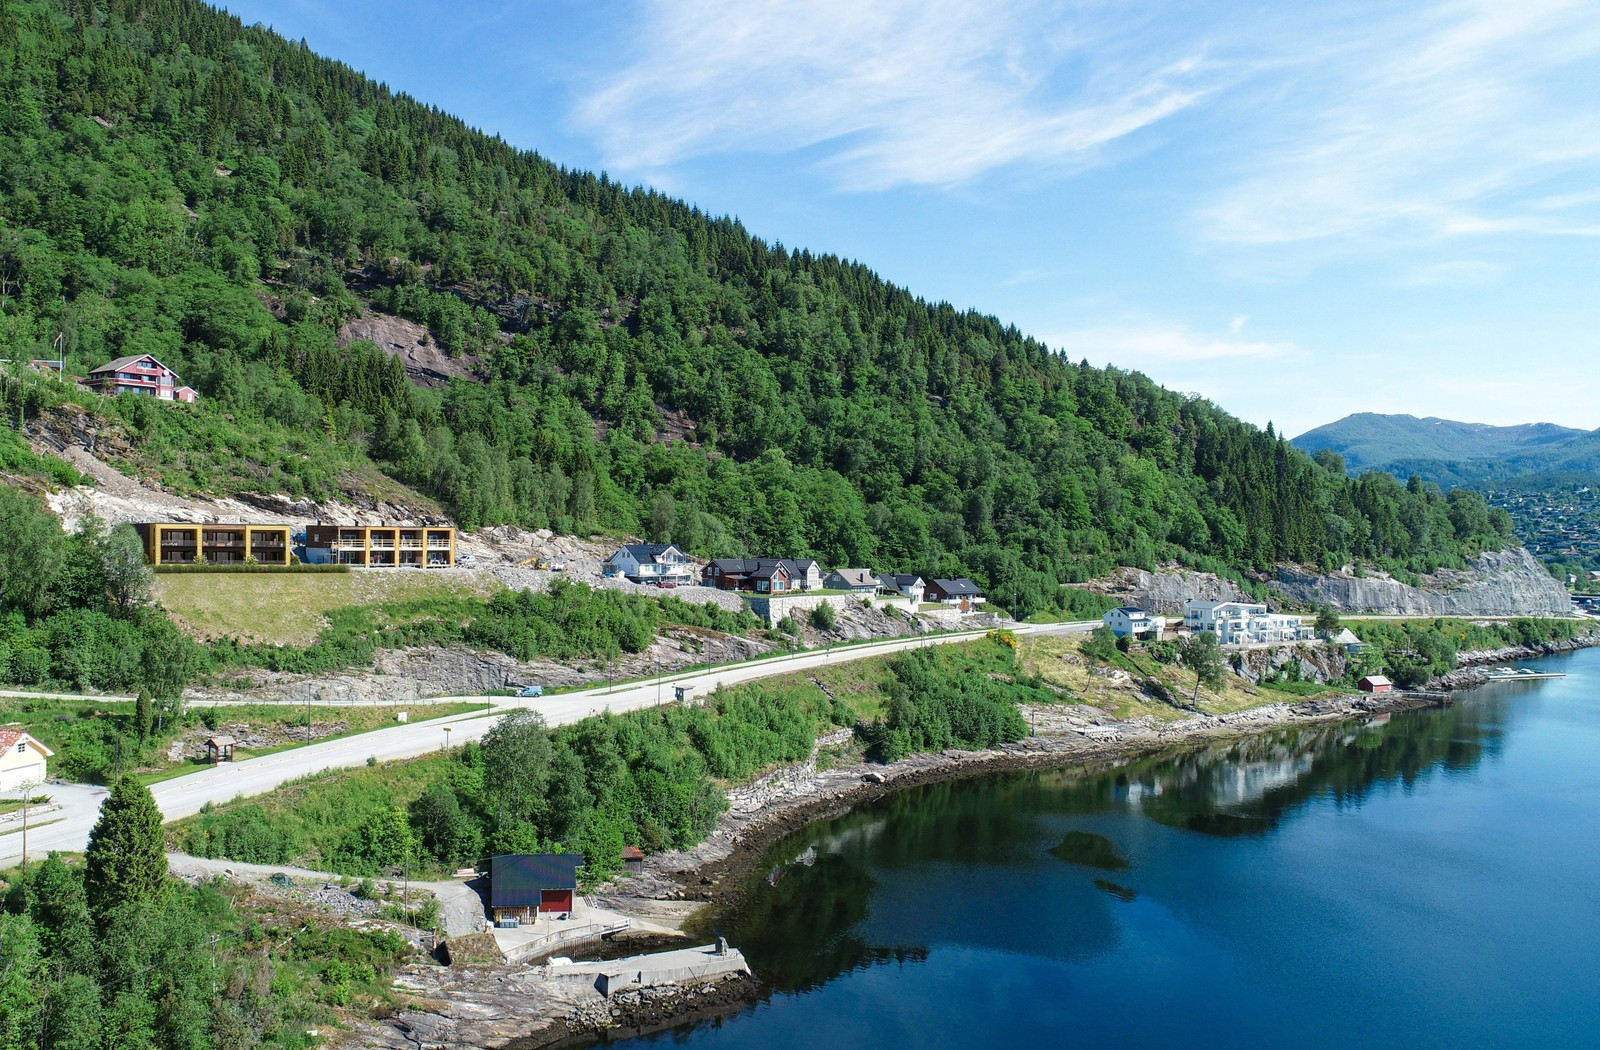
x=27 y=797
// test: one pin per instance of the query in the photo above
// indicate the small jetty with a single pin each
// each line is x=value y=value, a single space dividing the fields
x=707 y=963
x=1521 y=674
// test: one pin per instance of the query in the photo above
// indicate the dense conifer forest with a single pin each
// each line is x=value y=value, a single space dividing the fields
x=177 y=183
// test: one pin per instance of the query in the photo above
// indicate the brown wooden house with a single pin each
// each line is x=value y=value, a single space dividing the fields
x=757 y=575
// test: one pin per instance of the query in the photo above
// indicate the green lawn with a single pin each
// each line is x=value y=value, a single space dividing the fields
x=92 y=740
x=289 y=609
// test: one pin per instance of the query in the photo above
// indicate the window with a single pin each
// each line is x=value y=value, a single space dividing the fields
x=22 y=748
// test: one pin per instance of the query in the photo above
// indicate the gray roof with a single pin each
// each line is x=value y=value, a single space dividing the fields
x=857 y=577
x=123 y=362
x=1128 y=610
x=903 y=579
x=515 y=879
x=957 y=587
x=646 y=553
x=762 y=567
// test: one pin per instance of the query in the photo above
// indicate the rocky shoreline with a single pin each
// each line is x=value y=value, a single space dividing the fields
x=517 y=1009
x=1472 y=666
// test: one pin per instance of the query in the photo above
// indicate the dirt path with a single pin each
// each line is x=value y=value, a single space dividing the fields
x=461 y=910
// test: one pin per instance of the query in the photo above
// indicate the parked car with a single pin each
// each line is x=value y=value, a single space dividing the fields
x=531 y=690
x=667 y=585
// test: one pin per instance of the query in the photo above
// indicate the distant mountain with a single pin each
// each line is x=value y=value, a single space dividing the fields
x=1445 y=450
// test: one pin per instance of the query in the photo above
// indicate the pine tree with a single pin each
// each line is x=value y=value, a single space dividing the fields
x=126 y=858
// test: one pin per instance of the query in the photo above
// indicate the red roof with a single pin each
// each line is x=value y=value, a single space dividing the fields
x=12 y=737
x=632 y=853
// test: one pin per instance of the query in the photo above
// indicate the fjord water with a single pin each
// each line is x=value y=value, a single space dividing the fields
x=1429 y=882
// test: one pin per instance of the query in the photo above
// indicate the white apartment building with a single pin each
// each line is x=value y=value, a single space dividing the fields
x=1244 y=623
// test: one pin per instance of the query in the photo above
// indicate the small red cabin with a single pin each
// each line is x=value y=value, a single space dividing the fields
x=1375 y=683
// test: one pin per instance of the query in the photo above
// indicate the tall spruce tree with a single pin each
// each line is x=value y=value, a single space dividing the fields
x=126 y=858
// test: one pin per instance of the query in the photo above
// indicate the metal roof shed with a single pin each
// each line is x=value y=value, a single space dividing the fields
x=522 y=884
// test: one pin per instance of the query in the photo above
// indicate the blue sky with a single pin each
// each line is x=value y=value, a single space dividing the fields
x=1296 y=210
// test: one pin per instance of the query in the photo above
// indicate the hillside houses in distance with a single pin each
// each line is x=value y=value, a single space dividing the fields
x=665 y=565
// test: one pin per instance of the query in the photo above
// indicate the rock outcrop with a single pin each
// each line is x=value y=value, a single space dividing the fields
x=1499 y=583
x=1166 y=591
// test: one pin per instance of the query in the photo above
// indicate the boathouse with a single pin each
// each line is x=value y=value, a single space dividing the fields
x=1375 y=683
x=521 y=885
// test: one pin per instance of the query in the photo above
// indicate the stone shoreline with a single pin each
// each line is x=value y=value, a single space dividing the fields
x=516 y=1009
x=1471 y=670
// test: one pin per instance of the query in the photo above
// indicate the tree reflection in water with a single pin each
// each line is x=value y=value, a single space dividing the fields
x=934 y=865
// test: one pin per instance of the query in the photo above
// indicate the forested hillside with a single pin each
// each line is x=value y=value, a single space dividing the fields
x=176 y=183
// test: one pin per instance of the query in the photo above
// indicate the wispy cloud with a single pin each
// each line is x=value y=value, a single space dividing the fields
x=1468 y=118
x=918 y=92
x=1140 y=343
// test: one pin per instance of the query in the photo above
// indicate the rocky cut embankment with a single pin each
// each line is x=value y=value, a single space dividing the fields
x=1498 y=583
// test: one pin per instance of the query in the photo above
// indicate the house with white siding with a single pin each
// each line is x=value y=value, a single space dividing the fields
x=1128 y=622
x=22 y=759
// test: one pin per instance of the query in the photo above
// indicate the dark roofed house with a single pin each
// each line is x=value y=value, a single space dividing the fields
x=905 y=584
x=761 y=575
x=658 y=563
x=521 y=885
x=962 y=593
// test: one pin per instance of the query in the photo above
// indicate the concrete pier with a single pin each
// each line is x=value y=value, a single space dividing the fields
x=681 y=966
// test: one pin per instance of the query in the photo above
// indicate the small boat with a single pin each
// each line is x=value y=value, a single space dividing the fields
x=1521 y=674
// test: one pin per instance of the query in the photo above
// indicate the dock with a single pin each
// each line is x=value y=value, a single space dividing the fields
x=708 y=962
x=1521 y=674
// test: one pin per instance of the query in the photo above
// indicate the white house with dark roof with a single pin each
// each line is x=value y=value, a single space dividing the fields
x=906 y=584
x=657 y=563
x=962 y=593
x=1128 y=622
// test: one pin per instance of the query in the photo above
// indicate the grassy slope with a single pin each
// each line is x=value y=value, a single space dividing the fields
x=1059 y=662
x=319 y=812
x=290 y=609
x=67 y=725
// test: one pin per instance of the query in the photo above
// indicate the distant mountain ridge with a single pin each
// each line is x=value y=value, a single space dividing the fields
x=1451 y=452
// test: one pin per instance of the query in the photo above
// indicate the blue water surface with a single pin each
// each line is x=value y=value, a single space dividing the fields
x=1429 y=882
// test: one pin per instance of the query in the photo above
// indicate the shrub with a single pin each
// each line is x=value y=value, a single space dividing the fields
x=822 y=617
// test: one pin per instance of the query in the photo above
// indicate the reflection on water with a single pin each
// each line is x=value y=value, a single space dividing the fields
x=1090 y=850
x=955 y=843
x=1429 y=880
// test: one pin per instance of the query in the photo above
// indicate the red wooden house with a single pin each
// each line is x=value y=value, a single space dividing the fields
x=140 y=374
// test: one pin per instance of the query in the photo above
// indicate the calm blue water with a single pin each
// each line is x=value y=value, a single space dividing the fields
x=1432 y=882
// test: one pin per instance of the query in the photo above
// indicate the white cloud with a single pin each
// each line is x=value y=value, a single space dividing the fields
x=1468 y=118
x=891 y=93
x=1139 y=344
x=1237 y=324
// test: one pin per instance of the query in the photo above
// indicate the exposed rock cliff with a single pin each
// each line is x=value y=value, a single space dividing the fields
x=1501 y=583
x=1165 y=592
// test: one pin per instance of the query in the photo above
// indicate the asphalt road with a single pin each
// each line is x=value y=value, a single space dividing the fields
x=184 y=796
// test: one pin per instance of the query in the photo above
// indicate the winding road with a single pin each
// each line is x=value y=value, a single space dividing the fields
x=67 y=828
